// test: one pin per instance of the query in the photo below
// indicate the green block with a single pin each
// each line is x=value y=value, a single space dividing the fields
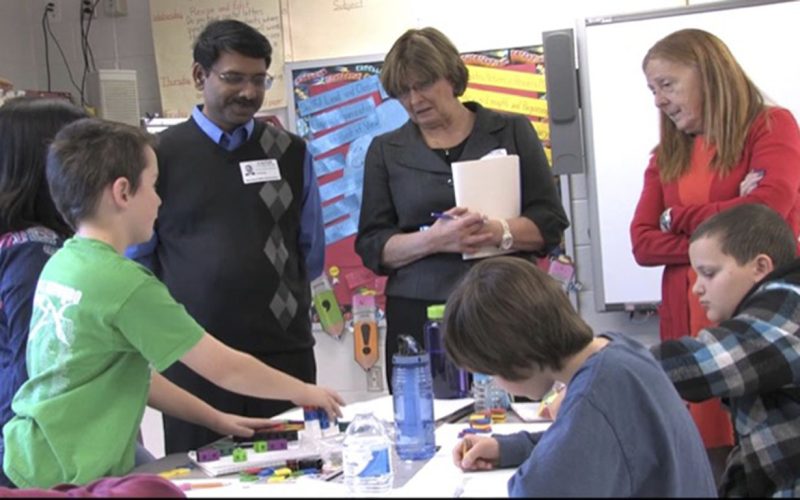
x=260 y=446
x=239 y=455
x=225 y=447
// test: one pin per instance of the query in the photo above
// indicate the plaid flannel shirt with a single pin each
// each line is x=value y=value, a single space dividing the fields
x=752 y=361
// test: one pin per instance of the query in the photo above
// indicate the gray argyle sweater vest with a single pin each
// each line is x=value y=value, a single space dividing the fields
x=228 y=251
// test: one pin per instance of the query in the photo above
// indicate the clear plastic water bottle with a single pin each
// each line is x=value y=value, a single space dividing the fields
x=449 y=381
x=480 y=390
x=487 y=394
x=498 y=398
x=366 y=456
x=412 y=391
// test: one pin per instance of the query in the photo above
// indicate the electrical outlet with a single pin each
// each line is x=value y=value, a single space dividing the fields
x=375 y=379
x=53 y=8
x=115 y=8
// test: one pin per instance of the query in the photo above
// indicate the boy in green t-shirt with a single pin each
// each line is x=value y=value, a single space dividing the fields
x=101 y=323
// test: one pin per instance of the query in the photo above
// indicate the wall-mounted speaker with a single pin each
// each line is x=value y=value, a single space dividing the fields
x=114 y=95
x=561 y=78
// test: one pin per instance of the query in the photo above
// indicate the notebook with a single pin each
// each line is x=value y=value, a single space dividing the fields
x=490 y=186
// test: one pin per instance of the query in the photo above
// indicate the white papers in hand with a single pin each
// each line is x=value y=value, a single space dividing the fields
x=490 y=186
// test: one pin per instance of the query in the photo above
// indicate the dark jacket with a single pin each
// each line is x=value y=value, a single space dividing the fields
x=404 y=181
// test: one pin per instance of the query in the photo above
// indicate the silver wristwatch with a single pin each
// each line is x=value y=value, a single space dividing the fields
x=665 y=221
x=507 y=240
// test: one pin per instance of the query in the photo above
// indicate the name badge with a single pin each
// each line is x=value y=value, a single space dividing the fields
x=260 y=171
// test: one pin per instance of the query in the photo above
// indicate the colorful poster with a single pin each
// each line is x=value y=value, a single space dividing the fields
x=511 y=80
x=338 y=110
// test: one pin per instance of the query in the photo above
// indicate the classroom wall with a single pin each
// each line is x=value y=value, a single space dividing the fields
x=16 y=41
x=117 y=43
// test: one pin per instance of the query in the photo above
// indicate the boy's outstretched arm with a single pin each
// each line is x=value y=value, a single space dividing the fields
x=243 y=374
x=172 y=400
x=753 y=352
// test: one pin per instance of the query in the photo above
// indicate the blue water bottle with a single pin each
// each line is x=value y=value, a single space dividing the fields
x=412 y=390
x=449 y=381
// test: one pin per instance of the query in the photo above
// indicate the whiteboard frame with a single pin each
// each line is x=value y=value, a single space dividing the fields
x=600 y=294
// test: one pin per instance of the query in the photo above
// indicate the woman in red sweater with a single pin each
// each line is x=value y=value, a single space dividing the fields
x=721 y=145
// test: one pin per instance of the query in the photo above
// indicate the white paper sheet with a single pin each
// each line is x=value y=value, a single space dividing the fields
x=528 y=412
x=441 y=478
x=298 y=488
x=490 y=186
x=383 y=408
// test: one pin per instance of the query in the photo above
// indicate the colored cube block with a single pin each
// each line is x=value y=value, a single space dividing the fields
x=266 y=472
x=310 y=463
x=260 y=446
x=225 y=448
x=208 y=454
x=277 y=444
x=283 y=471
x=239 y=455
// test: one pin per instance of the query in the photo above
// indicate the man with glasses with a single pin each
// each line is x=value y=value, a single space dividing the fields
x=239 y=233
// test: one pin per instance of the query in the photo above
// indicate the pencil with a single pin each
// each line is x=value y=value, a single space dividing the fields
x=195 y=486
x=442 y=215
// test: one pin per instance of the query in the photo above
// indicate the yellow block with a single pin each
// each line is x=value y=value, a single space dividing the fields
x=285 y=471
x=174 y=473
x=517 y=80
x=506 y=102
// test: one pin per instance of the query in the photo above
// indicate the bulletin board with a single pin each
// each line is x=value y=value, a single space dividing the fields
x=339 y=105
x=176 y=24
x=511 y=80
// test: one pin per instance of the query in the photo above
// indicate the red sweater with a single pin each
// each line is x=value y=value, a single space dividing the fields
x=773 y=145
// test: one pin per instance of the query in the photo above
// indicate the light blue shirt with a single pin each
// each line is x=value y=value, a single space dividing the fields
x=312 y=231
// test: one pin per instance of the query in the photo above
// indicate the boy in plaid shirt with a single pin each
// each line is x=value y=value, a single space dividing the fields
x=748 y=280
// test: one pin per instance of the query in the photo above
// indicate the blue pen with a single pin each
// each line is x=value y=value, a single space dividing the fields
x=442 y=215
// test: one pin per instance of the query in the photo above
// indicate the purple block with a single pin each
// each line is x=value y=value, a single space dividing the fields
x=207 y=454
x=277 y=444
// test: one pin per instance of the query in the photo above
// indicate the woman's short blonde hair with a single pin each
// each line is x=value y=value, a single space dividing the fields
x=422 y=56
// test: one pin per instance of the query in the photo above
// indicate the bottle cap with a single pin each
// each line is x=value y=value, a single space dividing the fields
x=407 y=346
x=436 y=311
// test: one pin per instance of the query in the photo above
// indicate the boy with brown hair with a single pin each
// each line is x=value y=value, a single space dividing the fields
x=748 y=280
x=621 y=430
x=101 y=322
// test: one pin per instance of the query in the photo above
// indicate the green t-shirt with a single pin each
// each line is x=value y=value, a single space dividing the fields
x=100 y=322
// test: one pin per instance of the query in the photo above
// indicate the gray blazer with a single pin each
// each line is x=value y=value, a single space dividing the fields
x=404 y=181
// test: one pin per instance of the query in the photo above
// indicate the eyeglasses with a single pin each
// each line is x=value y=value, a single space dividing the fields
x=235 y=79
x=404 y=92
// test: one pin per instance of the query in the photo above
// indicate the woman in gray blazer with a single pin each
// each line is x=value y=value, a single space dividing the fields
x=408 y=179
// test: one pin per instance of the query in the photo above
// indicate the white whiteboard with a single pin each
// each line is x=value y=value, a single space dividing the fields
x=621 y=120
